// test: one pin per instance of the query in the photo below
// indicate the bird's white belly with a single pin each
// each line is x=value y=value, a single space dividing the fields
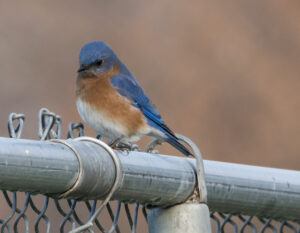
x=98 y=120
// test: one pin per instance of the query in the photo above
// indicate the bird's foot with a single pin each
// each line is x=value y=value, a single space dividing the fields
x=118 y=145
x=127 y=147
x=123 y=146
x=114 y=143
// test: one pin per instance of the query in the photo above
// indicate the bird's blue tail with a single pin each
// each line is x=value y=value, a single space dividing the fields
x=155 y=121
x=174 y=142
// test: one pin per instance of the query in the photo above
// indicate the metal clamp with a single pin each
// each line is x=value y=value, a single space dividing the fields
x=116 y=161
x=199 y=161
x=65 y=194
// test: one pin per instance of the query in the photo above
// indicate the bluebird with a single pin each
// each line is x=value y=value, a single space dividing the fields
x=112 y=102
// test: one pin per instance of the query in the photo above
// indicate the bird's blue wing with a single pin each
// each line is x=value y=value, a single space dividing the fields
x=127 y=86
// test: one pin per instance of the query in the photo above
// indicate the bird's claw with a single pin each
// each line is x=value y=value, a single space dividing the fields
x=125 y=147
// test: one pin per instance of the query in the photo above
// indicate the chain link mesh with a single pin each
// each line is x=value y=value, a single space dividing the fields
x=24 y=212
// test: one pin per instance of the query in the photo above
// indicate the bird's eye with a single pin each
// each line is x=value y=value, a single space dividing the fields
x=99 y=62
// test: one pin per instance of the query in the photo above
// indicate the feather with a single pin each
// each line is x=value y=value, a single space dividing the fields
x=127 y=86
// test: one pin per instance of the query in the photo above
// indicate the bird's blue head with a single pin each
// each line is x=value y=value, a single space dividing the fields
x=96 y=57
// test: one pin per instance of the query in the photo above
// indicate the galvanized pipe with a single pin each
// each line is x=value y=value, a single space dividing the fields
x=36 y=166
x=253 y=190
x=52 y=168
x=190 y=218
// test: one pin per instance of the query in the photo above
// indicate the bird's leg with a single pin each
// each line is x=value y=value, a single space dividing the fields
x=114 y=143
x=118 y=145
x=125 y=146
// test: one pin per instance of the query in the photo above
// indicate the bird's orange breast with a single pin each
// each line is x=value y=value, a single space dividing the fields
x=98 y=92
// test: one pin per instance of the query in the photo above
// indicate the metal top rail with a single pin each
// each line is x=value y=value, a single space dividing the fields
x=52 y=168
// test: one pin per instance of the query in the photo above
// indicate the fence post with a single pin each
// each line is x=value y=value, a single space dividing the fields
x=186 y=217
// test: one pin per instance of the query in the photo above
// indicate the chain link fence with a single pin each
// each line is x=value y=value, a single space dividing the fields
x=25 y=212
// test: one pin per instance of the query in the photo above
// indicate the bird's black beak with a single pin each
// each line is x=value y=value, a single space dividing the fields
x=82 y=68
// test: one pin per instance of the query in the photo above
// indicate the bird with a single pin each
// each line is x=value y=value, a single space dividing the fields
x=112 y=102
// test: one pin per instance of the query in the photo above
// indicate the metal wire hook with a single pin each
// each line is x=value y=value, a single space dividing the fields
x=15 y=132
x=75 y=126
x=47 y=120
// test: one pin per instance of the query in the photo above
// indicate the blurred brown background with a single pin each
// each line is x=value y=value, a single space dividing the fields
x=224 y=73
